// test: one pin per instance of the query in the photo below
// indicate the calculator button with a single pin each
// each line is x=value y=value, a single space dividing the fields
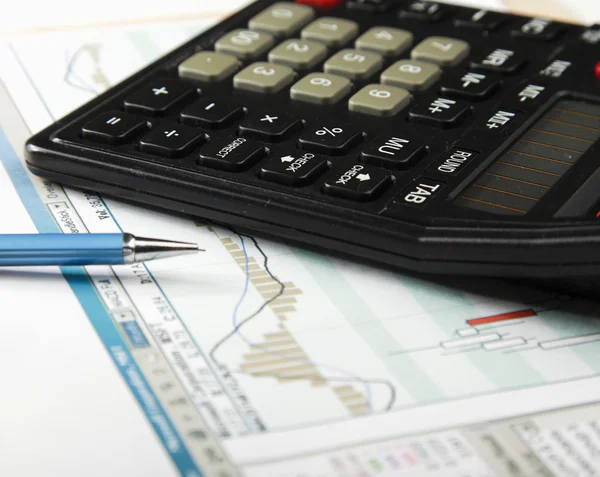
x=359 y=182
x=270 y=125
x=298 y=54
x=211 y=113
x=380 y=100
x=418 y=194
x=334 y=32
x=263 y=78
x=452 y=163
x=538 y=29
x=294 y=169
x=245 y=44
x=385 y=41
x=171 y=140
x=413 y=75
x=282 y=19
x=500 y=60
x=321 y=88
x=472 y=86
x=208 y=66
x=425 y=11
x=231 y=153
x=442 y=112
x=394 y=151
x=527 y=95
x=113 y=127
x=500 y=120
x=371 y=5
x=160 y=97
x=354 y=64
x=441 y=50
x=332 y=139
x=484 y=20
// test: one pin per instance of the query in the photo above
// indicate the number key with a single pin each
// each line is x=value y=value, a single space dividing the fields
x=385 y=41
x=298 y=54
x=282 y=19
x=263 y=78
x=441 y=50
x=334 y=32
x=354 y=64
x=244 y=44
x=379 y=100
x=413 y=75
x=321 y=88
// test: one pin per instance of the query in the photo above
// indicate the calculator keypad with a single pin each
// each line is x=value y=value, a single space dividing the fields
x=288 y=50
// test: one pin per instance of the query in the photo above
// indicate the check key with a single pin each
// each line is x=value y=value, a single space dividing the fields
x=358 y=182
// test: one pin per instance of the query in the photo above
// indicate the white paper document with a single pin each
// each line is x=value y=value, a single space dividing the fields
x=257 y=358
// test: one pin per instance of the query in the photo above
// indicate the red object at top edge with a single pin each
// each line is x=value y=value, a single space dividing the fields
x=321 y=3
x=597 y=70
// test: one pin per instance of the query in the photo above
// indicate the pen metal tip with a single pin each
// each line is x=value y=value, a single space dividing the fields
x=142 y=249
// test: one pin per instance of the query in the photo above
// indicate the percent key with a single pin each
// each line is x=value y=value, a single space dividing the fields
x=331 y=139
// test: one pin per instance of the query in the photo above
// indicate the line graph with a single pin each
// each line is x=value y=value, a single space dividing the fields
x=279 y=355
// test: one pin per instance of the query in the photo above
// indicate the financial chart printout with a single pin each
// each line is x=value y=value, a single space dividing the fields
x=261 y=359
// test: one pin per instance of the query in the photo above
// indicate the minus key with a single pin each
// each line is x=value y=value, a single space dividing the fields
x=212 y=113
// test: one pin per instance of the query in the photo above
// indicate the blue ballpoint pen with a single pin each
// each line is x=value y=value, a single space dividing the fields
x=86 y=249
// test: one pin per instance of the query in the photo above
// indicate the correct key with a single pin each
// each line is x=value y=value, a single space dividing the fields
x=358 y=182
x=231 y=153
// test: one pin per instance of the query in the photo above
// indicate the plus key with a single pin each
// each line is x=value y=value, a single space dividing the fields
x=160 y=97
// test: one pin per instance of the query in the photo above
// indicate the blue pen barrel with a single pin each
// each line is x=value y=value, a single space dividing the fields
x=61 y=249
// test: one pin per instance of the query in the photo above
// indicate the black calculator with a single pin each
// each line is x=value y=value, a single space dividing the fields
x=416 y=134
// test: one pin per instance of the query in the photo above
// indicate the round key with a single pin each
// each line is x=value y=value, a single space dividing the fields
x=208 y=66
x=282 y=19
x=263 y=77
x=298 y=54
x=334 y=32
x=321 y=88
x=354 y=64
x=380 y=100
x=441 y=50
x=244 y=44
x=413 y=75
x=385 y=41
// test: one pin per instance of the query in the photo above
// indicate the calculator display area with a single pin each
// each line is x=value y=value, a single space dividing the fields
x=519 y=178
